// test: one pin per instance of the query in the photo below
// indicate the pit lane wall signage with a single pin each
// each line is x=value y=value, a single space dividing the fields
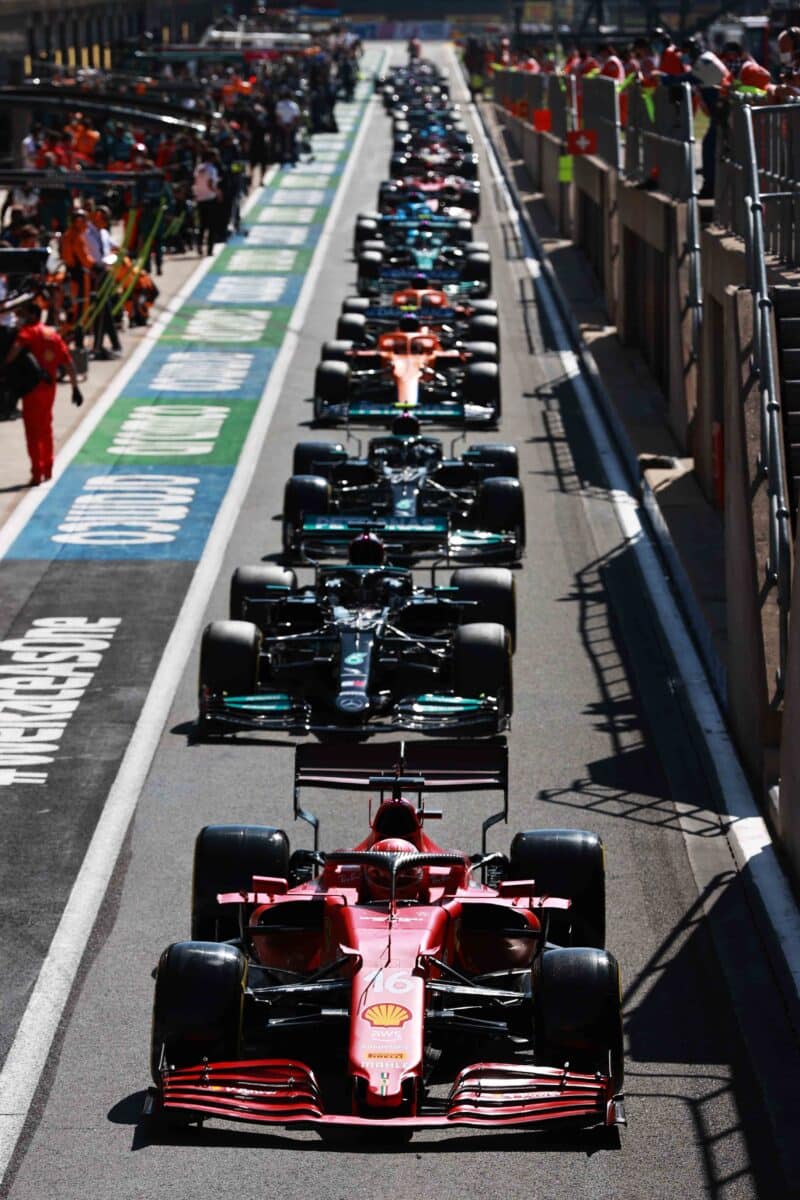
x=148 y=482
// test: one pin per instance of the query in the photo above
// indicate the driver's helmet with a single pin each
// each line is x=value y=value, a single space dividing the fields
x=409 y=323
x=408 y=880
x=367 y=550
x=406 y=425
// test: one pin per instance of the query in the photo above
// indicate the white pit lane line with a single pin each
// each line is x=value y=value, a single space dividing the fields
x=747 y=833
x=30 y=1050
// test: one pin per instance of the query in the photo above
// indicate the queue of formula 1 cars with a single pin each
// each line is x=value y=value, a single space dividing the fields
x=398 y=985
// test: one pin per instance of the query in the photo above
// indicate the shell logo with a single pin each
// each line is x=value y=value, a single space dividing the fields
x=387 y=1016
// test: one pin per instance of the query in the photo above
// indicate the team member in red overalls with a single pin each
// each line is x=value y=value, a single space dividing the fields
x=50 y=352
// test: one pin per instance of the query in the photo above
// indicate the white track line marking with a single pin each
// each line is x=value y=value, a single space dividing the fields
x=747 y=832
x=29 y=1052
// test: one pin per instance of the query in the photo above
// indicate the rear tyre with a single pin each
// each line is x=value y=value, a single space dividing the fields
x=482 y=664
x=226 y=857
x=312 y=458
x=336 y=351
x=370 y=264
x=331 y=387
x=355 y=304
x=577 y=1012
x=249 y=583
x=500 y=506
x=484 y=308
x=481 y=352
x=483 y=327
x=197 y=1008
x=352 y=328
x=304 y=496
x=229 y=655
x=493 y=458
x=568 y=863
x=493 y=592
x=481 y=386
x=478 y=269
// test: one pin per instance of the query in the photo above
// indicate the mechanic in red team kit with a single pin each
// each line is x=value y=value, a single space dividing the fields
x=50 y=352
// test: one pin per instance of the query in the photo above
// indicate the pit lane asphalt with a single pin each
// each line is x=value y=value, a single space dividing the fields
x=599 y=741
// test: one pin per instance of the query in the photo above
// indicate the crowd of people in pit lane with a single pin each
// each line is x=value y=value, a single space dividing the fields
x=660 y=60
x=106 y=243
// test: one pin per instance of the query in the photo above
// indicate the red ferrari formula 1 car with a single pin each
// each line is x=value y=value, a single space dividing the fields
x=385 y=986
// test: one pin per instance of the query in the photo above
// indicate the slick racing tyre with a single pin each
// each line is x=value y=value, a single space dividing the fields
x=493 y=458
x=352 y=328
x=478 y=269
x=577 y=1016
x=500 y=506
x=331 y=387
x=304 y=496
x=476 y=248
x=253 y=583
x=483 y=327
x=481 y=386
x=480 y=352
x=336 y=351
x=366 y=227
x=492 y=592
x=317 y=458
x=229 y=658
x=482 y=664
x=370 y=263
x=568 y=863
x=197 y=1009
x=484 y=308
x=355 y=304
x=226 y=857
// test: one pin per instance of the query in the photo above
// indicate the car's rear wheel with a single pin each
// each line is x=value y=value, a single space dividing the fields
x=481 y=386
x=481 y=352
x=482 y=664
x=229 y=658
x=336 y=351
x=331 y=387
x=493 y=458
x=478 y=269
x=492 y=592
x=352 y=328
x=355 y=304
x=501 y=507
x=568 y=863
x=483 y=327
x=197 y=1008
x=226 y=857
x=253 y=583
x=303 y=496
x=577 y=1012
x=309 y=457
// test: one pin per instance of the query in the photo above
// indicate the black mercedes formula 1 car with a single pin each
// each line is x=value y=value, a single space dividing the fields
x=420 y=502
x=361 y=649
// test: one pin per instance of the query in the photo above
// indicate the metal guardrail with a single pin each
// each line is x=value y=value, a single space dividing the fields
x=772 y=134
x=660 y=151
x=749 y=123
x=601 y=111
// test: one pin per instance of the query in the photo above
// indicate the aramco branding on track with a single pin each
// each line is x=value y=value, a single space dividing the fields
x=41 y=685
x=172 y=430
x=128 y=510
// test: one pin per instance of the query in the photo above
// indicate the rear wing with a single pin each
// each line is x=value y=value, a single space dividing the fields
x=397 y=768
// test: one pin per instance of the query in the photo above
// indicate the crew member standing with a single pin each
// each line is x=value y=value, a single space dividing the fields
x=50 y=352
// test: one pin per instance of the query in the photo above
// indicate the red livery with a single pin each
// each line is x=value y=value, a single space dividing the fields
x=390 y=985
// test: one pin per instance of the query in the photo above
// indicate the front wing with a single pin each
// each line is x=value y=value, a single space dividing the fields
x=427 y=412
x=404 y=537
x=436 y=714
x=490 y=1095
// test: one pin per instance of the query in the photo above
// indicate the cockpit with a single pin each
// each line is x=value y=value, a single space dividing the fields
x=397 y=452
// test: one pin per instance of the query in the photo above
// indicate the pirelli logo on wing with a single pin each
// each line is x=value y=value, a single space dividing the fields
x=44 y=675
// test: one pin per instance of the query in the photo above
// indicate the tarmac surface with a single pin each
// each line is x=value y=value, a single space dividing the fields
x=599 y=740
